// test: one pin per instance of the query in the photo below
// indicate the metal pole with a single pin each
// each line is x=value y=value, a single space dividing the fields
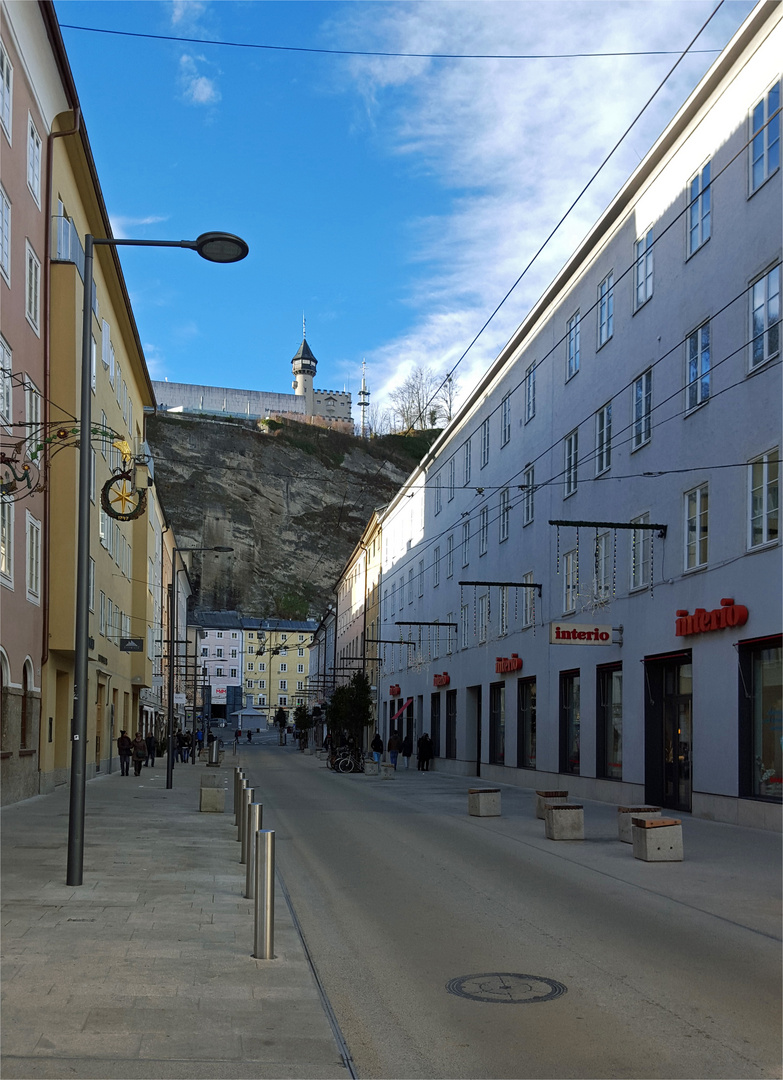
x=75 y=869
x=238 y=777
x=170 y=696
x=247 y=794
x=264 y=929
x=255 y=817
x=240 y=807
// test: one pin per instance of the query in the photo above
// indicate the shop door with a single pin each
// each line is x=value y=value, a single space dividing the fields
x=677 y=737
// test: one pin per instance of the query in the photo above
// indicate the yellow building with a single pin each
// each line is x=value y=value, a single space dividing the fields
x=276 y=664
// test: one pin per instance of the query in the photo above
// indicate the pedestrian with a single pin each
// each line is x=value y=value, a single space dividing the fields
x=124 y=746
x=393 y=746
x=138 y=753
x=249 y=735
x=199 y=743
x=420 y=753
x=377 y=747
x=427 y=752
x=187 y=745
x=151 y=748
x=210 y=738
x=237 y=735
x=407 y=749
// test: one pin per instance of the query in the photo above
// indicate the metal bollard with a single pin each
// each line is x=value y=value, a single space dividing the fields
x=255 y=817
x=239 y=776
x=239 y=807
x=247 y=795
x=264 y=930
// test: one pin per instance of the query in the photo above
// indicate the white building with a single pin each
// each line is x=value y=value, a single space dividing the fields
x=634 y=653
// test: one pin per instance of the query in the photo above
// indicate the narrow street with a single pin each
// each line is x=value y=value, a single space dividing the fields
x=641 y=970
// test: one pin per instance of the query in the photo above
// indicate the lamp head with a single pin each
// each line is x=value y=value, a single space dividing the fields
x=220 y=247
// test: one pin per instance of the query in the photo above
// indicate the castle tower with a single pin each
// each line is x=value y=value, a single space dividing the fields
x=303 y=366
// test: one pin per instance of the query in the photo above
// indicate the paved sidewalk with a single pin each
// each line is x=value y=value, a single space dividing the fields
x=145 y=970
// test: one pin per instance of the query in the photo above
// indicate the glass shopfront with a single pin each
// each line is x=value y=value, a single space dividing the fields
x=497 y=723
x=761 y=718
x=526 y=724
x=435 y=724
x=669 y=731
x=609 y=711
x=570 y=722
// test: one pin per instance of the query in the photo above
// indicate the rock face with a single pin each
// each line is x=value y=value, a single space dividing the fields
x=290 y=499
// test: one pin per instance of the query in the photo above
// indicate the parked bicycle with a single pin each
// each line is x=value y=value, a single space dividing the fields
x=345 y=759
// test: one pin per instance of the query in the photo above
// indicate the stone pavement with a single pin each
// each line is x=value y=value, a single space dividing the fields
x=146 y=969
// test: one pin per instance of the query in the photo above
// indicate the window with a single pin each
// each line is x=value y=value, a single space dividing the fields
x=481 y=616
x=301 y=652
x=233 y=654
x=421 y=577
x=529 y=487
x=603 y=439
x=219 y=653
x=610 y=723
x=438 y=497
x=7 y=542
x=218 y=633
x=605 y=309
x=465 y=543
x=483 y=530
x=250 y=684
x=602 y=571
x=449 y=629
x=283 y=684
x=503 y=606
x=526 y=724
x=91 y=586
x=505 y=419
x=33 y=289
x=696 y=527
x=34 y=161
x=5 y=235
x=109 y=619
x=497 y=723
x=94 y=366
x=232 y=672
x=450 y=555
x=699 y=212
x=283 y=667
x=643 y=271
x=761 y=671
x=570 y=722
x=410 y=585
x=572 y=346
x=571 y=463
x=393 y=599
x=765 y=138
x=640 y=552
x=6 y=392
x=528 y=600
x=570 y=581
x=102 y=613
x=505 y=514
x=300 y=669
x=6 y=91
x=698 y=367
x=32 y=411
x=642 y=410
x=219 y=673
x=93 y=471
x=485 y=443
x=436 y=568
x=765 y=317
x=204 y=651
x=451 y=479
x=464 y=626
x=33 y=559
x=466 y=463
x=763 y=476
x=530 y=393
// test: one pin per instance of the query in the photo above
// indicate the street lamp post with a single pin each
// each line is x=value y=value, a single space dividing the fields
x=215 y=247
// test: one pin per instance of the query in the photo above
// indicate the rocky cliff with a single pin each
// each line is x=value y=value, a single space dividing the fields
x=290 y=499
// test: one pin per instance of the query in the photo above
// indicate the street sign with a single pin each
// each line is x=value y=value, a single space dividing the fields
x=157 y=680
x=180 y=699
x=131 y=644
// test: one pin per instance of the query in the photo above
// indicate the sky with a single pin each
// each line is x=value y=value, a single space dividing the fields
x=390 y=201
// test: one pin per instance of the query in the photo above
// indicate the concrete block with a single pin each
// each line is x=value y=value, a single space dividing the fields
x=657 y=840
x=557 y=798
x=624 y=819
x=212 y=800
x=372 y=768
x=565 y=821
x=212 y=780
x=387 y=771
x=484 y=802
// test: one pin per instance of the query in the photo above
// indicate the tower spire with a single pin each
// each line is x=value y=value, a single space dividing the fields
x=364 y=400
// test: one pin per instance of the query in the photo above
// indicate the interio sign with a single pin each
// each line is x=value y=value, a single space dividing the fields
x=576 y=634
x=441 y=680
x=394 y=691
x=506 y=663
x=702 y=621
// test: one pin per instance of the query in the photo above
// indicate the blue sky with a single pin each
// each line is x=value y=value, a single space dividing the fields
x=391 y=201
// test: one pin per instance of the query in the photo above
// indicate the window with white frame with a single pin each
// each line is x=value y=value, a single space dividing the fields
x=300 y=669
x=602 y=571
x=301 y=652
x=436 y=567
x=232 y=673
x=93 y=363
x=763 y=486
x=465 y=543
x=6 y=542
x=6 y=91
x=421 y=577
x=32 y=306
x=570 y=463
x=642 y=410
x=218 y=633
x=283 y=684
x=283 y=667
x=91 y=586
x=603 y=438
x=102 y=613
x=570 y=583
x=34 y=161
x=450 y=555
x=505 y=419
x=643 y=269
x=699 y=209
x=605 y=309
x=219 y=671
x=698 y=372
x=219 y=653
x=505 y=515
x=485 y=443
x=483 y=530
x=466 y=463
x=450 y=478
x=32 y=411
x=393 y=599
x=572 y=346
x=233 y=654
x=5 y=235
x=765 y=317
x=528 y=600
x=481 y=616
x=464 y=626
x=530 y=393
x=6 y=386
x=529 y=488
x=696 y=527
x=126 y=627
x=765 y=137
x=438 y=496
x=503 y=610
x=385 y=605
x=93 y=473
x=410 y=585
x=640 y=552
x=109 y=618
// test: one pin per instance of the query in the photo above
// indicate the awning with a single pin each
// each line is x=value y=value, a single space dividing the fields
x=400 y=711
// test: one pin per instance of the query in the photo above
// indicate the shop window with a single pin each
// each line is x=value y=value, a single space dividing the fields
x=526 y=724
x=451 y=723
x=761 y=718
x=570 y=713
x=497 y=724
x=609 y=712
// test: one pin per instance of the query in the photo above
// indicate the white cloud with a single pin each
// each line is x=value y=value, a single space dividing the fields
x=121 y=223
x=196 y=88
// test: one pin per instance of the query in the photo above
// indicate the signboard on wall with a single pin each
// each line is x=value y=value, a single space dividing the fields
x=579 y=634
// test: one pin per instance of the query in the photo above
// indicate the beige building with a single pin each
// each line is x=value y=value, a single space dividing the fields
x=276 y=664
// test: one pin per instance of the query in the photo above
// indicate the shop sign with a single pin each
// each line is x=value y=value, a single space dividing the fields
x=180 y=699
x=579 y=634
x=506 y=663
x=394 y=691
x=441 y=680
x=218 y=691
x=702 y=621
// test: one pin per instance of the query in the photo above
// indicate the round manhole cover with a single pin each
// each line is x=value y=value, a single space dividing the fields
x=506 y=988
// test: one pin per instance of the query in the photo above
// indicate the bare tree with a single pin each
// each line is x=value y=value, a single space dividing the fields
x=446 y=398
x=412 y=402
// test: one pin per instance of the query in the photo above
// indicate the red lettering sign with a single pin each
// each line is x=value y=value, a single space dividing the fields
x=505 y=663
x=702 y=621
x=394 y=691
x=441 y=680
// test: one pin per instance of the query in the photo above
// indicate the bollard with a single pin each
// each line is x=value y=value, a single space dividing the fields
x=255 y=817
x=247 y=795
x=264 y=930
x=239 y=805
x=239 y=776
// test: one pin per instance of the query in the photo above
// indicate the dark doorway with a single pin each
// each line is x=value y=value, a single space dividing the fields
x=669 y=732
x=473 y=723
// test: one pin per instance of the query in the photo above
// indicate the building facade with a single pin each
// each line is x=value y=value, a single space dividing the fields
x=595 y=537
x=277 y=664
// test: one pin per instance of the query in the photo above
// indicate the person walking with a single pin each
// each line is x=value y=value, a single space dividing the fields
x=427 y=752
x=138 y=753
x=393 y=746
x=407 y=749
x=124 y=747
x=420 y=754
x=377 y=747
x=199 y=743
x=151 y=748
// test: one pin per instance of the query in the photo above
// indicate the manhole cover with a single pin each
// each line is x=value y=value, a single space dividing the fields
x=506 y=988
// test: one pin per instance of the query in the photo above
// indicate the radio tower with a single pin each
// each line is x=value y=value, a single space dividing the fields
x=364 y=400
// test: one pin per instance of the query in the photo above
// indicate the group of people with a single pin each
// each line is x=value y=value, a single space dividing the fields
x=139 y=750
x=425 y=751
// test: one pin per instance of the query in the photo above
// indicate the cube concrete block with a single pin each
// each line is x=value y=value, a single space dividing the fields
x=213 y=800
x=657 y=840
x=565 y=822
x=212 y=780
x=625 y=814
x=544 y=797
x=484 y=802
x=387 y=771
x=372 y=768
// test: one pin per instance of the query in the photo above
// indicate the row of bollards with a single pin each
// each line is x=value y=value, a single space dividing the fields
x=257 y=852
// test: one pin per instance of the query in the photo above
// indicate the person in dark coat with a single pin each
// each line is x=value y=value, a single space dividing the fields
x=393 y=746
x=151 y=748
x=426 y=752
x=124 y=746
x=138 y=753
x=377 y=747
x=407 y=749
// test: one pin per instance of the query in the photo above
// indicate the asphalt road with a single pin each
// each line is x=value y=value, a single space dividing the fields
x=670 y=970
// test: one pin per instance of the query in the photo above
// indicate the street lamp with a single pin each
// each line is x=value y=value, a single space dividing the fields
x=215 y=247
x=171 y=647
